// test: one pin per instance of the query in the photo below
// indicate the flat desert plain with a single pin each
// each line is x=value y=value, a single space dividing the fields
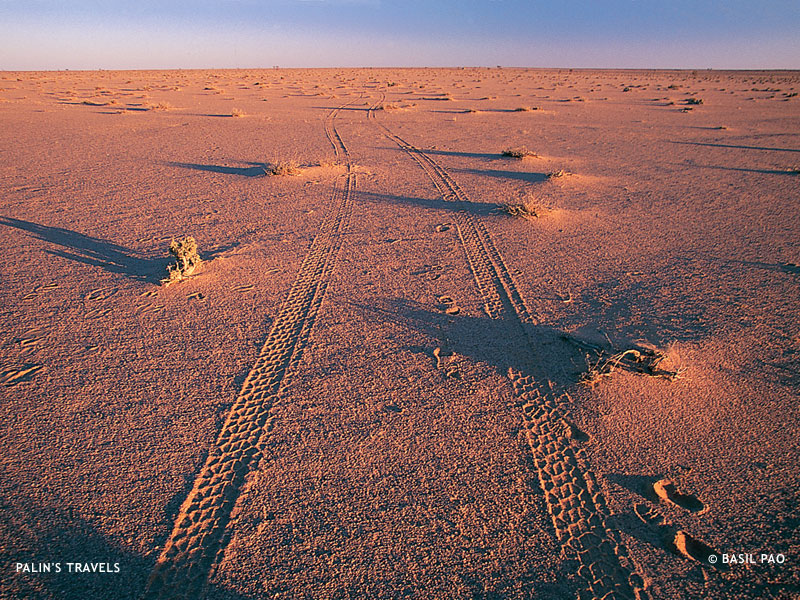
x=458 y=333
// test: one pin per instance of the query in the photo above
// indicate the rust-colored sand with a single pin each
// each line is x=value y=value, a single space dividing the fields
x=379 y=383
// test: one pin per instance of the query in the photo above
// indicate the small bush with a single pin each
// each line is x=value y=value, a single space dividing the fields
x=526 y=108
x=527 y=209
x=237 y=112
x=187 y=260
x=284 y=167
x=694 y=101
x=519 y=152
x=556 y=174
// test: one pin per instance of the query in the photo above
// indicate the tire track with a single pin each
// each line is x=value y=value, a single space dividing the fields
x=574 y=498
x=199 y=535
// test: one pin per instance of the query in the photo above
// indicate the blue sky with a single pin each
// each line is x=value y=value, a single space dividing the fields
x=92 y=34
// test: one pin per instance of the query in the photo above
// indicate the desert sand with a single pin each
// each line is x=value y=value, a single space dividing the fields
x=380 y=384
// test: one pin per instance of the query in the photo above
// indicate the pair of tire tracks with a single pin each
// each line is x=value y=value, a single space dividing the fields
x=573 y=496
x=201 y=532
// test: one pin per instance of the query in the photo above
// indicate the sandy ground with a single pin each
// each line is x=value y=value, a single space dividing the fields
x=376 y=386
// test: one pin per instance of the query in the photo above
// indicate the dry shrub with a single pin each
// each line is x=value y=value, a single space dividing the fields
x=389 y=106
x=528 y=208
x=526 y=108
x=187 y=260
x=556 y=174
x=284 y=167
x=162 y=106
x=237 y=112
x=647 y=361
x=519 y=152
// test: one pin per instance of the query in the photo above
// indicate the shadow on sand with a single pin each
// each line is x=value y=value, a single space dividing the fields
x=53 y=533
x=516 y=175
x=88 y=250
x=252 y=170
x=474 y=208
x=736 y=146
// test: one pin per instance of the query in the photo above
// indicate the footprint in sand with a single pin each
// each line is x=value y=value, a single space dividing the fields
x=442 y=364
x=442 y=228
x=149 y=308
x=101 y=294
x=25 y=373
x=100 y=311
x=449 y=305
x=29 y=342
x=677 y=540
x=40 y=289
x=696 y=550
x=668 y=492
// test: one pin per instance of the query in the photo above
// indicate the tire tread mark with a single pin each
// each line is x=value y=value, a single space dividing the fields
x=574 y=497
x=199 y=537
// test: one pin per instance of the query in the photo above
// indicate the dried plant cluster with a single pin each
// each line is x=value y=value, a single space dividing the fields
x=187 y=260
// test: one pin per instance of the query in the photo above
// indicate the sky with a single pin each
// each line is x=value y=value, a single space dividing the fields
x=163 y=34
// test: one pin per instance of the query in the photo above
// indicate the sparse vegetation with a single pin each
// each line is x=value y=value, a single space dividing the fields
x=637 y=360
x=526 y=108
x=162 y=106
x=519 y=152
x=284 y=167
x=187 y=260
x=556 y=174
x=396 y=106
x=529 y=208
x=694 y=101
x=237 y=112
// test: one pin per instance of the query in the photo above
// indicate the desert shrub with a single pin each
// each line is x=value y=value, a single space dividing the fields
x=529 y=209
x=284 y=167
x=519 y=152
x=187 y=260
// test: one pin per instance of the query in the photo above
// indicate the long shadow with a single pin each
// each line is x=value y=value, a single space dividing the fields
x=736 y=146
x=254 y=170
x=364 y=109
x=517 y=175
x=485 y=155
x=89 y=250
x=52 y=533
x=744 y=170
x=539 y=350
x=787 y=268
x=475 y=208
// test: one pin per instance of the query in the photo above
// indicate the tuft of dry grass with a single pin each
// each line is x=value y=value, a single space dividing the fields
x=389 y=106
x=237 y=112
x=519 y=152
x=100 y=102
x=187 y=260
x=694 y=101
x=284 y=167
x=637 y=360
x=162 y=106
x=529 y=208
x=526 y=108
x=556 y=174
